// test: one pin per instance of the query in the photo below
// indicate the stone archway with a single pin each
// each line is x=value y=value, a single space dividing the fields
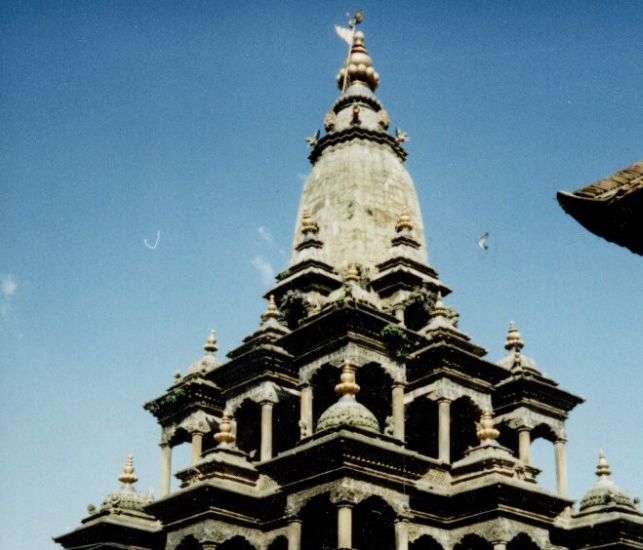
x=373 y=525
x=425 y=542
x=248 y=421
x=422 y=426
x=464 y=415
x=323 y=382
x=319 y=524
x=189 y=543
x=473 y=542
x=375 y=391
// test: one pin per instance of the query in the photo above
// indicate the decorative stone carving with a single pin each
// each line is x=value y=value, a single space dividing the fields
x=264 y=392
x=305 y=428
x=216 y=532
x=447 y=389
x=329 y=121
x=524 y=418
x=389 y=426
x=199 y=422
x=357 y=356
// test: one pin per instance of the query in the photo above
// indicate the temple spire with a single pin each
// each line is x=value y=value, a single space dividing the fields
x=358 y=67
x=603 y=468
x=128 y=477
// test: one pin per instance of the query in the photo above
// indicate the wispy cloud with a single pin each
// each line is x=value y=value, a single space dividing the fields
x=265 y=235
x=264 y=268
x=8 y=285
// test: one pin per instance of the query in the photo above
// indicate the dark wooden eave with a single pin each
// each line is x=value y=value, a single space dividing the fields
x=611 y=208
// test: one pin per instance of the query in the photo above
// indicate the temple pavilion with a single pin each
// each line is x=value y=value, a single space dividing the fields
x=358 y=414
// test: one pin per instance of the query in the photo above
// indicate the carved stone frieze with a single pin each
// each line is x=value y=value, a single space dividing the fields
x=524 y=418
x=198 y=421
x=358 y=356
x=351 y=491
x=502 y=530
x=217 y=532
x=264 y=392
x=448 y=389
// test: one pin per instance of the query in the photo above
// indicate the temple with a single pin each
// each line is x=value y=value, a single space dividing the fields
x=358 y=415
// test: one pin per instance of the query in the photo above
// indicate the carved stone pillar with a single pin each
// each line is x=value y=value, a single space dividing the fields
x=524 y=444
x=294 y=534
x=166 y=468
x=208 y=545
x=344 y=525
x=197 y=446
x=561 y=467
x=266 y=430
x=401 y=534
x=306 y=411
x=444 y=430
x=499 y=546
x=398 y=411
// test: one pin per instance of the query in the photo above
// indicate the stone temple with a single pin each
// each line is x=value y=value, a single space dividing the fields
x=359 y=415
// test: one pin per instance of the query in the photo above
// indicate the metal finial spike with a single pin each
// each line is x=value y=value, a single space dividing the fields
x=514 y=339
x=225 y=437
x=404 y=221
x=352 y=274
x=347 y=385
x=485 y=429
x=603 y=469
x=128 y=477
x=211 y=343
x=308 y=225
x=271 y=311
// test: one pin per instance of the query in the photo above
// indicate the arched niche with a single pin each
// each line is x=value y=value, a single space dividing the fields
x=236 y=543
x=421 y=418
x=508 y=437
x=248 y=428
x=373 y=524
x=323 y=383
x=319 y=524
x=425 y=542
x=464 y=415
x=473 y=542
x=522 y=541
x=280 y=543
x=375 y=391
x=285 y=420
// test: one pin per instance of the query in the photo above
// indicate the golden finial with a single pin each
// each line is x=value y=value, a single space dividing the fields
x=128 y=477
x=485 y=429
x=404 y=221
x=308 y=225
x=271 y=311
x=603 y=468
x=225 y=436
x=347 y=385
x=352 y=274
x=514 y=339
x=211 y=343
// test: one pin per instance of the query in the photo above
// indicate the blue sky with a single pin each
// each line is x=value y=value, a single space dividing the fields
x=120 y=120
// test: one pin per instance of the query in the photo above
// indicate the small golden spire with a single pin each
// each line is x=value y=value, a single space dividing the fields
x=352 y=274
x=128 y=477
x=271 y=311
x=347 y=385
x=485 y=429
x=514 y=339
x=308 y=225
x=211 y=343
x=603 y=469
x=225 y=436
x=404 y=221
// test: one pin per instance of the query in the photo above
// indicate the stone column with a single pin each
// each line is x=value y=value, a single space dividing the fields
x=401 y=534
x=444 y=429
x=398 y=411
x=499 y=546
x=197 y=447
x=344 y=525
x=306 y=411
x=266 y=430
x=209 y=545
x=524 y=444
x=294 y=534
x=561 y=467
x=166 y=468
